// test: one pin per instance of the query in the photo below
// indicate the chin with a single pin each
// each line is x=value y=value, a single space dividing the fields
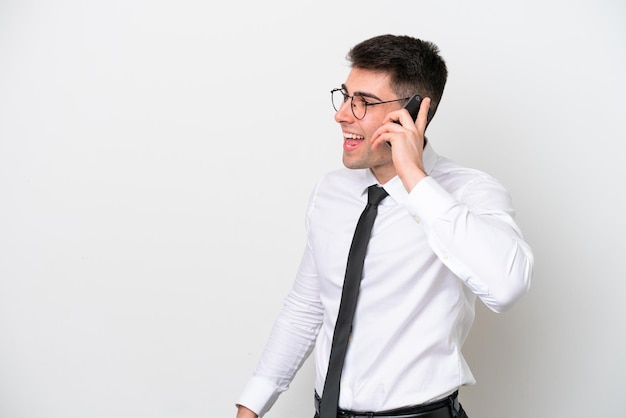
x=351 y=164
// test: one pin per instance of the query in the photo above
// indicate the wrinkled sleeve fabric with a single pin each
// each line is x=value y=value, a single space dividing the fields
x=473 y=232
x=290 y=342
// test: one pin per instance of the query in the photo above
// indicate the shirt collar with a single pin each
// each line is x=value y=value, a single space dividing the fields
x=394 y=187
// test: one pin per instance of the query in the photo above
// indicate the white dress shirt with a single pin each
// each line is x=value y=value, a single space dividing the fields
x=432 y=251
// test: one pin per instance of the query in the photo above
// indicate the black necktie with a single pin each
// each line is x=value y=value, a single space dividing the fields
x=349 y=295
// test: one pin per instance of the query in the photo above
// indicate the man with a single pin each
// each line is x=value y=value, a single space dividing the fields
x=443 y=236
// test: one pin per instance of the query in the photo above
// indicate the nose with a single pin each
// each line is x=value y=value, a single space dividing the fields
x=344 y=114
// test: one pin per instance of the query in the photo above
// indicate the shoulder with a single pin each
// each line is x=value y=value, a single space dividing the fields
x=454 y=175
x=470 y=185
x=339 y=186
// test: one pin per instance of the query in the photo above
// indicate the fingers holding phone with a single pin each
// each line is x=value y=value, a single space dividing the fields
x=407 y=156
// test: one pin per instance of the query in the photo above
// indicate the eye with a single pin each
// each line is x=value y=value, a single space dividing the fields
x=359 y=101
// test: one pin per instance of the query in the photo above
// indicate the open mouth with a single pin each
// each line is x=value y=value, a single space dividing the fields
x=351 y=141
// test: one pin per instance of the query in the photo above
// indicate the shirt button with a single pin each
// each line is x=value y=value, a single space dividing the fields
x=417 y=219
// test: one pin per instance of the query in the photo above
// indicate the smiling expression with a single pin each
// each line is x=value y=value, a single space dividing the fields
x=357 y=134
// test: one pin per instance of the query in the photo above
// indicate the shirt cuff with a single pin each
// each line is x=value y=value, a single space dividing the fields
x=428 y=200
x=259 y=395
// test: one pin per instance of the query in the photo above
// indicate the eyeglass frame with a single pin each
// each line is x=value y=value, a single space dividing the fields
x=346 y=96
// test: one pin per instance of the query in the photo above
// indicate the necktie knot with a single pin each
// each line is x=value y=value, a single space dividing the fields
x=375 y=194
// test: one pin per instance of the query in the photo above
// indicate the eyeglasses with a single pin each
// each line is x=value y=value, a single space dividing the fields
x=358 y=106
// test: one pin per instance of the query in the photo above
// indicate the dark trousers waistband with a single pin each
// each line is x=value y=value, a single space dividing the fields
x=445 y=408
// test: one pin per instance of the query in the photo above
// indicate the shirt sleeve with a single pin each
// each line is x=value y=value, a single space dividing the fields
x=290 y=342
x=473 y=232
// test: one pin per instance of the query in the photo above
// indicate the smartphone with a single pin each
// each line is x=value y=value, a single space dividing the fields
x=413 y=106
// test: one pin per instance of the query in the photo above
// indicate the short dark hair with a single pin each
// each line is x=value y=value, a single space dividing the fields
x=415 y=66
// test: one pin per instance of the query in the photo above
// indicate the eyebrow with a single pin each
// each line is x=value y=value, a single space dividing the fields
x=362 y=93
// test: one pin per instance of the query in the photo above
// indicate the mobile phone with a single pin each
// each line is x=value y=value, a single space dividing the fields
x=413 y=106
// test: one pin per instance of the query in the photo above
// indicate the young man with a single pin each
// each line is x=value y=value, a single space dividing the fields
x=443 y=235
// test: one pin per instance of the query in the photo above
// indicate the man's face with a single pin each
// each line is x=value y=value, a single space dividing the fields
x=357 y=151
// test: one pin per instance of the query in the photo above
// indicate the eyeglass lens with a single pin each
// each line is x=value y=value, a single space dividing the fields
x=357 y=104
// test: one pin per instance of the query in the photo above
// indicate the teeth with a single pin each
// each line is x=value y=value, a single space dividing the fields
x=352 y=136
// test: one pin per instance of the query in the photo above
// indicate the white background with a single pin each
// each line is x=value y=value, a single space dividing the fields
x=155 y=162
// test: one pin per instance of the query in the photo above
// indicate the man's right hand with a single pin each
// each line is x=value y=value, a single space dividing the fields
x=243 y=412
